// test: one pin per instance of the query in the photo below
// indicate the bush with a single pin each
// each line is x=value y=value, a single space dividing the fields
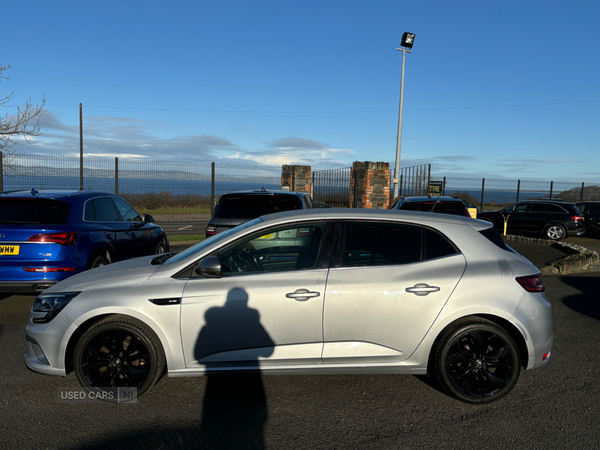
x=166 y=200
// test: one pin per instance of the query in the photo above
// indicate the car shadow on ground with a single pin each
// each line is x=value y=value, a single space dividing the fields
x=586 y=302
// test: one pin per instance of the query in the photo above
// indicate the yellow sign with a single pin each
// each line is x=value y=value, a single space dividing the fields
x=435 y=188
x=9 y=249
x=268 y=236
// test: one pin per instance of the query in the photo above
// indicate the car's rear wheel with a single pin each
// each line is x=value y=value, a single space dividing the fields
x=118 y=352
x=477 y=362
x=555 y=232
x=99 y=261
x=161 y=248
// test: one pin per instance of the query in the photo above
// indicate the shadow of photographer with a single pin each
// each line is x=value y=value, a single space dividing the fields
x=234 y=411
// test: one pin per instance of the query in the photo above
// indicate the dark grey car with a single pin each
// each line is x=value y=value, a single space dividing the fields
x=235 y=208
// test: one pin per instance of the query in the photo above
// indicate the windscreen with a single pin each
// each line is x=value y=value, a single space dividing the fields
x=33 y=211
x=249 y=206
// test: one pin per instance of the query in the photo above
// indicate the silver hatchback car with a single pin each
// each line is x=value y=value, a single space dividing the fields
x=309 y=291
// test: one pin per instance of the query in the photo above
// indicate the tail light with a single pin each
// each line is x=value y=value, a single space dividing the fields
x=577 y=218
x=49 y=269
x=66 y=238
x=531 y=283
x=211 y=230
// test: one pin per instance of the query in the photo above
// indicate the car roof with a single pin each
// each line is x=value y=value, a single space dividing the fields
x=557 y=200
x=429 y=198
x=53 y=194
x=372 y=214
x=267 y=192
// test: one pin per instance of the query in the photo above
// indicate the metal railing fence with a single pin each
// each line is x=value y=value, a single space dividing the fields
x=332 y=187
x=194 y=187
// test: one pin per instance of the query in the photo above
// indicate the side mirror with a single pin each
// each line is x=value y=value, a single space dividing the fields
x=209 y=267
x=147 y=218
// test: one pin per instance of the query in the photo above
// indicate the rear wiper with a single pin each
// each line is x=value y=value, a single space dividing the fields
x=18 y=222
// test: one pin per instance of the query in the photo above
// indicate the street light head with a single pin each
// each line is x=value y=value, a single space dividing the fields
x=408 y=40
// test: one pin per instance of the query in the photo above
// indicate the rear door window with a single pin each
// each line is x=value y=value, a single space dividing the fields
x=383 y=244
x=380 y=244
x=101 y=209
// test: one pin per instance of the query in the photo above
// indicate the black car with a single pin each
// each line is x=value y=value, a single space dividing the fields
x=591 y=215
x=441 y=204
x=553 y=219
x=235 y=208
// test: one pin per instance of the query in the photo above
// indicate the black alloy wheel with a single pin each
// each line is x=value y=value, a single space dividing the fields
x=118 y=352
x=477 y=362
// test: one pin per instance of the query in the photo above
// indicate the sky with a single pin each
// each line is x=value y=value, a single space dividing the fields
x=499 y=90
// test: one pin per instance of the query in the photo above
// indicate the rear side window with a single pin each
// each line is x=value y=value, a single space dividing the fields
x=437 y=246
x=249 y=206
x=493 y=236
x=33 y=211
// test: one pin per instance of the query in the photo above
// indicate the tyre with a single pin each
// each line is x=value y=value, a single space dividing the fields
x=477 y=362
x=555 y=232
x=99 y=261
x=118 y=352
x=161 y=248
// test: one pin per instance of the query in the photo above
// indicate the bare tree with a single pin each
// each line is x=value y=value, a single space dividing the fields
x=20 y=128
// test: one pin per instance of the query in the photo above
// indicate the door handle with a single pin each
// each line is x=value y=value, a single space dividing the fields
x=302 y=295
x=422 y=289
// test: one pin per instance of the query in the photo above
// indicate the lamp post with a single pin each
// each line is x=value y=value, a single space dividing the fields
x=405 y=45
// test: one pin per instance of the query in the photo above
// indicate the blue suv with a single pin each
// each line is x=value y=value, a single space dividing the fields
x=47 y=236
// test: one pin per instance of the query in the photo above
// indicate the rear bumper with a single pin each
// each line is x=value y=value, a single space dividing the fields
x=26 y=287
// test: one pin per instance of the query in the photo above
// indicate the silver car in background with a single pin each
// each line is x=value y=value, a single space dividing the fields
x=306 y=292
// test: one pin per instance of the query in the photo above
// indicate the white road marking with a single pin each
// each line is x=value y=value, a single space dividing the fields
x=185 y=228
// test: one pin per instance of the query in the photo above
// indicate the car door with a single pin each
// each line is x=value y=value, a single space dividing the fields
x=392 y=282
x=537 y=217
x=514 y=215
x=111 y=229
x=139 y=235
x=266 y=309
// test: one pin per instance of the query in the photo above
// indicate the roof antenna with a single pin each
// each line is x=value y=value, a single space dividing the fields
x=33 y=191
x=263 y=189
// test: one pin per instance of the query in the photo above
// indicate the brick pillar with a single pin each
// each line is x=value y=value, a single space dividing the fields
x=296 y=178
x=370 y=185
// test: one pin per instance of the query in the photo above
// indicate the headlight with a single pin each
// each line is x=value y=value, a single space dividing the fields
x=51 y=304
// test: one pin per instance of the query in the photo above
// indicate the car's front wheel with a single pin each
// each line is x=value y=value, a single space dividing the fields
x=555 y=232
x=477 y=362
x=118 y=352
